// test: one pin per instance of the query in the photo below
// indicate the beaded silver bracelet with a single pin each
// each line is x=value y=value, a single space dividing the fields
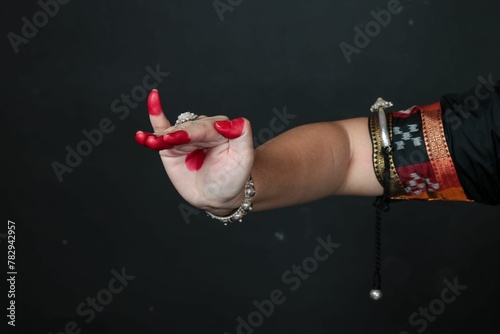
x=245 y=207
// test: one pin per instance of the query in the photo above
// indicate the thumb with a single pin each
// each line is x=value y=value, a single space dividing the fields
x=239 y=132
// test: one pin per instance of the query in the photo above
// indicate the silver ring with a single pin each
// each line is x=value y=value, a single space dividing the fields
x=186 y=116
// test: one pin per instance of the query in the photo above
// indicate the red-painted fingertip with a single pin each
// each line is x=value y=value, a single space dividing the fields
x=194 y=160
x=179 y=137
x=141 y=137
x=154 y=104
x=230 y=129
x=156 y=143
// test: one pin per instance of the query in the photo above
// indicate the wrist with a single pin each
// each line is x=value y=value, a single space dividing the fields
x=235 y=212
x=223 y=212
x=228 y=207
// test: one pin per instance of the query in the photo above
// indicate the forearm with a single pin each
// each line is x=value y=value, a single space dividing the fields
x=314 y=161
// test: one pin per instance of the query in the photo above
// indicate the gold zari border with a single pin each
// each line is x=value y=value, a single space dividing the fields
x=439 y=155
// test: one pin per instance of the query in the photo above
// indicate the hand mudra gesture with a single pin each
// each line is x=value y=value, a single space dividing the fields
x=208 y=159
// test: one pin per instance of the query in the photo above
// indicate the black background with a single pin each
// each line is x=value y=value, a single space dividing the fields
x=118 y=209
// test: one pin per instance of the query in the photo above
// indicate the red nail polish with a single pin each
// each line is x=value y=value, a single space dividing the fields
x=230 y=129
x=194 y=160
x=141 y=137
x=179 y=137
x=156 y=143
x=154 y=104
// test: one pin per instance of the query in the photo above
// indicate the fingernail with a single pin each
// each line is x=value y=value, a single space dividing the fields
x=230 y=129
x=156 y=143
x=154 y=104
x=141 y=137
x=179 y=137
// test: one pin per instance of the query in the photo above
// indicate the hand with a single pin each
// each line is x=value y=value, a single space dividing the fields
x=208 y=161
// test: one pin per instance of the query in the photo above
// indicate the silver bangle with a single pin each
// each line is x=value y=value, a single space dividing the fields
x=245 y=207
x=379 y=107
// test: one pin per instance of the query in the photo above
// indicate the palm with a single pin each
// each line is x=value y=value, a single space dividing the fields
x=220 y=179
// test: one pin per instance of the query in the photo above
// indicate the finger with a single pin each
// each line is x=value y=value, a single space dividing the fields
x=156 y=116
x=151 y=140
x=157 y=142
x=204 y=133
x=199 y=133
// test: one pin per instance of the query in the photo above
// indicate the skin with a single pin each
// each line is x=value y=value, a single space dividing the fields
x=209 y=161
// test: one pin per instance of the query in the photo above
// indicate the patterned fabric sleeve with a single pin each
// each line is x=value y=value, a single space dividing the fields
x=433 y=160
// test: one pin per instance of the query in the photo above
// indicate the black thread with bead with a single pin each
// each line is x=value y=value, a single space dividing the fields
x=382 y=205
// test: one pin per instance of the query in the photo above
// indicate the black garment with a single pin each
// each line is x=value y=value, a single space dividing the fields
x=471 y=122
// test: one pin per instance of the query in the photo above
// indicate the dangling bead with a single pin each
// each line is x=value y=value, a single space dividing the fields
x=375 y=294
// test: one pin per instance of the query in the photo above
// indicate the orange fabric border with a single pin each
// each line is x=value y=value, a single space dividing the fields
x=439 y=155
